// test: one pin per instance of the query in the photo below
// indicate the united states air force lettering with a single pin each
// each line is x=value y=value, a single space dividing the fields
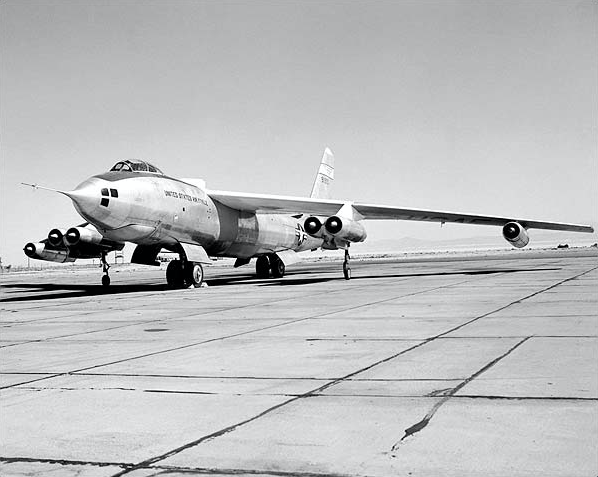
x=189 y=198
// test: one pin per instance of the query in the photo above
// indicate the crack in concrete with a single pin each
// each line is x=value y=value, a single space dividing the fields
x=12 y=460
x=308 y=394
x=415 y=428
x=526 y=398
x=439 y=392
x=418 y=426
x=226 y=471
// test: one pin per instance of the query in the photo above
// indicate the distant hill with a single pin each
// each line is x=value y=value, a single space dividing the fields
x=538 y=240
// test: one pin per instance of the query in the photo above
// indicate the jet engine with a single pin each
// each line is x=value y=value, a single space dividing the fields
x=85 y=242
x=313 y=226
x=76 y=235
x=56 y=237
x=39 y=251
x=345 y=229
x=76 y=242
x=515 y=234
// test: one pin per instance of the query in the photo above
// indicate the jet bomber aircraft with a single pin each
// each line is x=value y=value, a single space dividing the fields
x=135 y=202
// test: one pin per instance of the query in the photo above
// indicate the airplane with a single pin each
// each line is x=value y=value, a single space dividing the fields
x=136 y=202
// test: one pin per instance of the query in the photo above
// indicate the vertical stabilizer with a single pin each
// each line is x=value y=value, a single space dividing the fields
x=325 y=176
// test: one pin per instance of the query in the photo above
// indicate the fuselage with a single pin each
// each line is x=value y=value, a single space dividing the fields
x=148 y=208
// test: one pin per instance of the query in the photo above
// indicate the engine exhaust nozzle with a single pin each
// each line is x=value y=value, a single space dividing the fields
x=312 y=225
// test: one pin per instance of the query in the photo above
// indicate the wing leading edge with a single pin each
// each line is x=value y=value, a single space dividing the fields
x=303 y=205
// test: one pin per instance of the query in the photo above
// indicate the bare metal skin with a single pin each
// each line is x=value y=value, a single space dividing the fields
x=156 y=209
x=135 y=202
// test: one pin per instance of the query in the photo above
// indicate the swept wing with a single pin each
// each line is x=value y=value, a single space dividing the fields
x=303 y=205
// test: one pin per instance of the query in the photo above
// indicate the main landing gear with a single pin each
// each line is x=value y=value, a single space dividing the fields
x=346 y=268
x=105 y=267
x=269 y=265
x=184 y=274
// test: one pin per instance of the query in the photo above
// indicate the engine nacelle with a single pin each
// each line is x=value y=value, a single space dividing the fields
x=313 y=226
x=515 y=234
x=39 y=251
x=86 y=242
x=345 y=229
x=56 y=237
x=76 y=235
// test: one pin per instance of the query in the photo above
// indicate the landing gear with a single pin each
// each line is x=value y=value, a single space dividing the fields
x=270 y=265
x=105 y=267
x=262 y=267
x=181 y=273
x=194 y=274
x=174 y=274
x=346 y=268
x=277 y=266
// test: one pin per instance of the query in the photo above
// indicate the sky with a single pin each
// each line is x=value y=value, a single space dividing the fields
x=486 y=107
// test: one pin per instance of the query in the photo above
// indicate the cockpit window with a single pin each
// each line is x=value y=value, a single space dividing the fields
x=135 y=165
x=139 y=166
x=121 y=166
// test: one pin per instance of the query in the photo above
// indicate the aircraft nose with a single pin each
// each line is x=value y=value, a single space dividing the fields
x=98 y=201
x=86 y=195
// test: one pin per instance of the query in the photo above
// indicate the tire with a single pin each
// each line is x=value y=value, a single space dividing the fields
x=262 y=267
x=174 y=274
x=346 y=271
x=277 y=266
x=194 y=274
x=105 y=281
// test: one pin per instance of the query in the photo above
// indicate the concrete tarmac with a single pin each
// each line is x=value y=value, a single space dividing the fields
x=449 y=365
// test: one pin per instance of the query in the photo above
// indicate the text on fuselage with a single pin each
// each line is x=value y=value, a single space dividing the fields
x=180 y=195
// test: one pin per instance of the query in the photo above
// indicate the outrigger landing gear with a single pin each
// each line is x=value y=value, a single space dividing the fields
x=182 y=273
x=105 y=267
x=346 y=268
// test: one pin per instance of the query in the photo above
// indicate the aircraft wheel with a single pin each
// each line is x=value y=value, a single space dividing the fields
x=195 y=274
x=278 y=267
x=174 y=274
x=346 y=271
x=105 y=280
x=262 y=267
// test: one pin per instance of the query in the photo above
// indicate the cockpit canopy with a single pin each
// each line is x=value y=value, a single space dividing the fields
x=135 y=165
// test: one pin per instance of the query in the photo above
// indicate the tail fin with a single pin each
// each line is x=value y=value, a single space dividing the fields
x=325 y=176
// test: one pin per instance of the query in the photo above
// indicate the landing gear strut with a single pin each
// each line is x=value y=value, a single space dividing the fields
x=346 y=268
x=105 y=267
x=182 y=273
